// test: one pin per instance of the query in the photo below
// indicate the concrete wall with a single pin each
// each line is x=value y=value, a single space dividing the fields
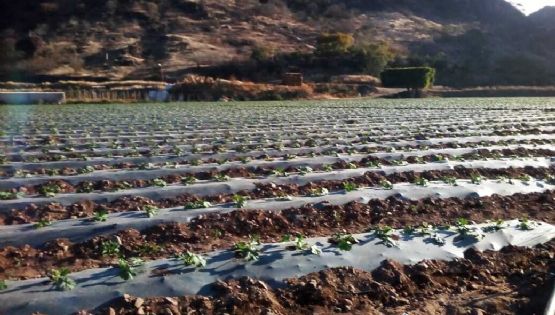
x=32 y=97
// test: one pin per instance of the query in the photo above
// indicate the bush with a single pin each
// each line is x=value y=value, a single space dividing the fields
x=410 y=78
x=334 y=44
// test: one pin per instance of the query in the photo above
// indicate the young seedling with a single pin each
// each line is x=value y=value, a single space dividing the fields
x=100 y=215
x=197 y=205
x=465 y=231
x=279 y=172
x=42 y=223
x=344 y=241
x=158 y=182
x=3 y=285
x=239 y=200
x=496 y=226
x=190 y=259
x=150 y=210
x=525 y=179
x=8 y=195
x=386 y=184
x=50 y=190
x=85 y=187
x=319 y=192
x=385 y=234
x=86 y=170
x=348 y=186
x=127 y=268
x=221 y=178
x=305 y=170
x=327 y=168
x=525 y=224
x=421 y=181
x=373 y=164
x=188 y=180
x=123 y=185
x=110 y=248
x=436 y=239
x=248 y=250
x=450 y=180
x=476 y=179
x=60 y=279
x=352 y=166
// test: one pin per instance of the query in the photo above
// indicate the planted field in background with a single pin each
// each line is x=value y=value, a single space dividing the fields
x=253 y=208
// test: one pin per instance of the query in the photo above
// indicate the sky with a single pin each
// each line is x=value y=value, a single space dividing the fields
x=531 y=6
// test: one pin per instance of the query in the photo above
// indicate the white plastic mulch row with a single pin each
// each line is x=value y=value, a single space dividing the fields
x=276 y=263
x=79 y=230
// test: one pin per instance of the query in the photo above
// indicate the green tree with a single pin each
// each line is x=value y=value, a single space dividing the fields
x=372 y=58
x=332 y=44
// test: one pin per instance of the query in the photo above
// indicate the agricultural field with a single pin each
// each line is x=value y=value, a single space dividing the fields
x=358 y=207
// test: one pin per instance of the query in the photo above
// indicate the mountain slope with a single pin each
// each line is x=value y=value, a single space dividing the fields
x=470 y=41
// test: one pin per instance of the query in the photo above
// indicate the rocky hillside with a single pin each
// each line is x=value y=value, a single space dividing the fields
x=470 y=42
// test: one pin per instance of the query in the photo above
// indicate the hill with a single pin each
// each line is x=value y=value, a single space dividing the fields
x=470 y=42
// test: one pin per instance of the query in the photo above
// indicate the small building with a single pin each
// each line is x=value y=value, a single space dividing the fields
x=31 y=97
x=292 y=79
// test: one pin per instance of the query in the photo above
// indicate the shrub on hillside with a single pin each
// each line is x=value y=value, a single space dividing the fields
x=413 y=79
x=334 y=44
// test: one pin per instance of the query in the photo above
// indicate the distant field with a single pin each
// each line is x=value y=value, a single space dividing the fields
x=326 y=206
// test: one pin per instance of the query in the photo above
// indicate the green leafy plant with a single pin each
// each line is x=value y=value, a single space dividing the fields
x=100 y=215
x=86 y=170
x=305 y=170
x=421 y=181
x=248 y=250
x=344 y=241
x=110 y=248
x=127 y=268
x=476 y=179
x=8 y=195
x=191 y=259
x=525 y=224
x=200 y=204
x=188 y=180
x=279 y=172
x=327 y=168
x=450 y=180
x=3 y=285
x=50 y=190
x=385 y=184
x=466 y=231
x=61 y=280
x=239 y=200
x=496 y=226
x=348 y=186
x=151 y=210
x=319 y=192
x=42 y=223
x=221 y=178
x=385 y=233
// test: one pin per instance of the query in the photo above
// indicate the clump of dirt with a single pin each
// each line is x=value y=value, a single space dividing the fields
x=515 y=280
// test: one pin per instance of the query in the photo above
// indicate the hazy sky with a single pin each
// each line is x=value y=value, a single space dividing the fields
x=530 y=6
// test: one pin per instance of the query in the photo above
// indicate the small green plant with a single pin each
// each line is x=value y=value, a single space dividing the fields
x=496 y=226
x=127 y=268
x=327 y=168
x=85 y=187
x=525 y=179
x=424 y=229
x=352 y=166
x=188 y=180
x=319 y=192
x=151 y=210
x=450 y=180
x=239 y=200
x=476 y=179
x=50 y=190
x=3 y=285
x=123 y=185
x=248 y=250
x=60 y=279
x=344 y=241
x=110 y=249
x=385 y=234
x=100 y=215
x=525 y=224
x=158 y=182
x=221 y=178
x=279 y=172
x=8 y=195
x=348 y=186
x=385 y=184
x=436 y=239
x=191 y=259
x=373 y=164
x=305 y=170
x=200 y=204
x=86 y=170
x=466 y=231
x=421 y=181
x=42 y=223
